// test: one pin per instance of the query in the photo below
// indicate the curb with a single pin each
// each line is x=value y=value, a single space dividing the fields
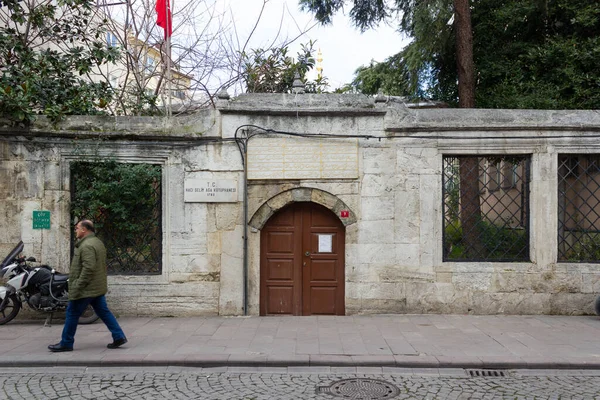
x=308 y=361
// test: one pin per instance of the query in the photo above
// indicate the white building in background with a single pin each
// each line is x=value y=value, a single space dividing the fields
x=143 y=66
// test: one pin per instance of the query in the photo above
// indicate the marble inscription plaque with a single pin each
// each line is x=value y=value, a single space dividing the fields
x=300 y=158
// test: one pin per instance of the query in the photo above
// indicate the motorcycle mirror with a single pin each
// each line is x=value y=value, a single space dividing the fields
x=31 y=259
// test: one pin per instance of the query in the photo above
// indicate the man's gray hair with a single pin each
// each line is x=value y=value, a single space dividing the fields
x=87 y=224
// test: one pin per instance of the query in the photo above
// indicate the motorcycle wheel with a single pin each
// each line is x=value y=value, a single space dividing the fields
x=89 y=316
x=10 y=309
x=597 y=305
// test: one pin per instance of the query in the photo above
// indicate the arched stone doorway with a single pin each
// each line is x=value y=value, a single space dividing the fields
x=326 y=199
x=302 y=262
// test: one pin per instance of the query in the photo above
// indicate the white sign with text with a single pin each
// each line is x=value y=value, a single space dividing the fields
x=210 y=191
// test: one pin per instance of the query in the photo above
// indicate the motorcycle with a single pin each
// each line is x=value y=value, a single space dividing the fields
x=41 y=288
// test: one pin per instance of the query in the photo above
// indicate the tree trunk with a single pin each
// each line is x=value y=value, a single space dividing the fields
x=464 y=54
x=470 y=208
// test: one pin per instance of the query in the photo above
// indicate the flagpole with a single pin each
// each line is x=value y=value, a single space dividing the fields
x=168 y=44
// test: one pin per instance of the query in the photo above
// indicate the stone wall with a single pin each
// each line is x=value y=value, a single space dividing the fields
x=392 y=188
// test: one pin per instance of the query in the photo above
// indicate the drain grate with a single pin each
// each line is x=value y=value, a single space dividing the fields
x=361 y=388
x=478 y=373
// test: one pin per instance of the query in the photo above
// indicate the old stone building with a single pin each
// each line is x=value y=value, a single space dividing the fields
x=329 y=204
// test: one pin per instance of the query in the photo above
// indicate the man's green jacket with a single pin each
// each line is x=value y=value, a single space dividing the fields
x=87 y=276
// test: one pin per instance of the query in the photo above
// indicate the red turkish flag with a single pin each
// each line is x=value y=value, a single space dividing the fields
x=164 y=18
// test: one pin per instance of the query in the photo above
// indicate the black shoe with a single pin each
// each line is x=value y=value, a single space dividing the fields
x=57 y=348
x=117 y=343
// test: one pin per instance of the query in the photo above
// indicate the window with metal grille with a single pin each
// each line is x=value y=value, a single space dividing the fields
x=486 y=208
x=579 y=208
x=125 y=203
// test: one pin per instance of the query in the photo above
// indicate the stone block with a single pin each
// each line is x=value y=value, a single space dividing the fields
x=281 y=200
x=223 y=157
x=590 y=283
x=301 y=194
x=380 y=290
x=7 y=182
x=28 y=234
x=214 y=243
x=342 y=206
x=232 y=242
x=377 y=208
x=353 y=290
x=443 y=277
x=231 y=300
x=228 y=215
x=383 y=306
x=183 y=277
x=195 y=263
x=182 y=291
x=510 y=303
x=353 y=306
x=373 y=185
x=352 y=234
x=362 y=273
x=408 y=255
x=324 y=198
x=404 y=273
x=379 y=160
x=511 y=281
x=407 y=163
x=10 y=214
x=336 y=188
x=375 y=232
x=377 y=254
x=552 y=282
x=424 y=297
x=261 y=216
x=572 y=303
x=52 y=176
x=5 y=151
x=475 y=281
x=173 y=192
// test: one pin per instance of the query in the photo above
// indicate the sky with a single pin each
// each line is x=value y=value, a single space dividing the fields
x=343 y=47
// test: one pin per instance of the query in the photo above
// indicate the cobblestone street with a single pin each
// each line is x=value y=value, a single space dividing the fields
x=289 y=383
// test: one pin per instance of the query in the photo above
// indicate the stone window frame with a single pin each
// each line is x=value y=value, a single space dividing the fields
x=127 y=153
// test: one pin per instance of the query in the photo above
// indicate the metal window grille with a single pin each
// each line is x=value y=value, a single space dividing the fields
x=579 y=208
x=125 y=203
x=486 y=208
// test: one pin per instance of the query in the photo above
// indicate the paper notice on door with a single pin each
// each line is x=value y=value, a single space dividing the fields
x=325 y=243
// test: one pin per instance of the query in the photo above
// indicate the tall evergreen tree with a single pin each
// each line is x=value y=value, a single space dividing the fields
x=539 y=54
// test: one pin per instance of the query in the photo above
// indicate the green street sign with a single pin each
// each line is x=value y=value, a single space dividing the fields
x=41 y=220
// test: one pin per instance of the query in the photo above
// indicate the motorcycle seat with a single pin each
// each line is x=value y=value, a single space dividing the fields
x=61 y=277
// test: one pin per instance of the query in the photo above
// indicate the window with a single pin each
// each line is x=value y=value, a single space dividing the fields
x=485 y=225
x=114 y=80
x=125 y=203
x=578 y=208
x=509 y=175
x=111 y=39
x=150 y=62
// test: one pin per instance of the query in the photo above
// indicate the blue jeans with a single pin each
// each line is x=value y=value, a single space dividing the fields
x=74 y=310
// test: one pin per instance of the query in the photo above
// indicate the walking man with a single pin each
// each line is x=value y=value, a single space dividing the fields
x=87 y=286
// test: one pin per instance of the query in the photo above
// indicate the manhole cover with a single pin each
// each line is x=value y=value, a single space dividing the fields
x=361 y=388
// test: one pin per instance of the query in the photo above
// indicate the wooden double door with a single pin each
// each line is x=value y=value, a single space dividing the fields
x=302 y=262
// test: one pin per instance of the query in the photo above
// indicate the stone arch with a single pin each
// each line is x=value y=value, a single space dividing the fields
x=277 y=202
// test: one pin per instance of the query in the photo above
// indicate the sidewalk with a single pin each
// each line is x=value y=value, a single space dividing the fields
x=411 y=341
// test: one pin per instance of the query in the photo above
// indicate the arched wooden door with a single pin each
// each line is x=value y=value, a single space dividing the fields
x=302 y=262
